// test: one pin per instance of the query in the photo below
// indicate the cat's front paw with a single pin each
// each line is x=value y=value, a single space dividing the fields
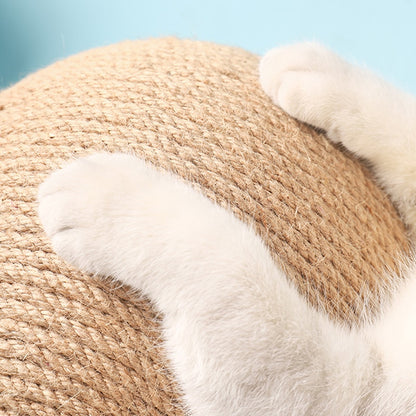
x=306 y=80
x=80 y=205
x=299 y=58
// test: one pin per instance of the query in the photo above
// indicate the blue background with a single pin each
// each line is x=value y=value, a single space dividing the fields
x=381 y=34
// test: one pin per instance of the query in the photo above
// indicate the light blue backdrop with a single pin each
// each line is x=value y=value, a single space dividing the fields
x=380 y=33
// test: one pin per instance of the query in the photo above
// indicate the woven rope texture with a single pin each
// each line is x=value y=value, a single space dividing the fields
x=72 y=345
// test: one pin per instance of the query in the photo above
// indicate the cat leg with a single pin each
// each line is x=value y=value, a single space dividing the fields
x=376 y=122
x=241 y=339
x=367 y=115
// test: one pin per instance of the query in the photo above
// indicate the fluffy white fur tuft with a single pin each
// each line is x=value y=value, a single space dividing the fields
x=241 y=339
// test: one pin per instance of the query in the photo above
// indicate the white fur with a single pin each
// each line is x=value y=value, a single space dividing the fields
x=240 y=338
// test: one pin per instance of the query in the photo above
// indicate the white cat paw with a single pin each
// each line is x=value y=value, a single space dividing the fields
x=79 y=203
x=304 y=80
x=301 y=57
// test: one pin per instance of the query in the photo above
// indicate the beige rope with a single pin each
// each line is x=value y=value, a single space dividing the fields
x=72 y=345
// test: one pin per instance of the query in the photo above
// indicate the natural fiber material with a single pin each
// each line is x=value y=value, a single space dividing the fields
x=72 y=345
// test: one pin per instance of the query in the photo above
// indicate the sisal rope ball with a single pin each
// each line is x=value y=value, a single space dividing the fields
x=74 y=345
